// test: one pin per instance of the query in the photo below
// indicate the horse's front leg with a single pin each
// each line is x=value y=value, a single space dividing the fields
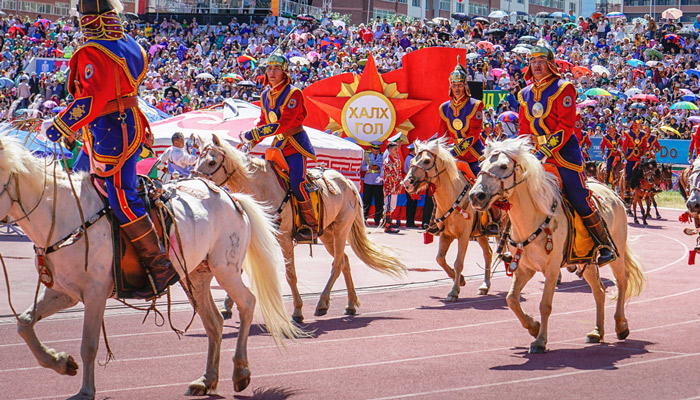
x=656 y=208
x=592 y=275
x=441 y=258
x=291 y=274
x=92 y=322
x=49 y=302
x=336 y=269
x=634 y=208
x=550 y=284
x=463 y=243
x=521 y=277
x=488 y=258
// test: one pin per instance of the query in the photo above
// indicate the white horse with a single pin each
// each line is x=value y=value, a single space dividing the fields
x=433 y=164
x=208 y=250
x=510 y=172
x=343 y=219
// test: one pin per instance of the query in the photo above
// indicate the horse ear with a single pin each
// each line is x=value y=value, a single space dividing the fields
x=215 y=140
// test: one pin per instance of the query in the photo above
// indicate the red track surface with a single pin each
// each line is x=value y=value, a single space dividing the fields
x=406 y=342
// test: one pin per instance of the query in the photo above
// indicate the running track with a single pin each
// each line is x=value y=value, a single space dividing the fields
x=405 y=342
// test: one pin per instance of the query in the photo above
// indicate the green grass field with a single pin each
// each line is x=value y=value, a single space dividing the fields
x=670 y=199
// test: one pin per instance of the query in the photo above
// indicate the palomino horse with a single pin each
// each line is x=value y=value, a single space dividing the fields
x=510 y=172
x=642 y=186
x=246 y=242
x=433 y=164
x=343 y=218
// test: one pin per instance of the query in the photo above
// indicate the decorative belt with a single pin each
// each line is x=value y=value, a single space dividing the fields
x=113 y=106
x=290 y=132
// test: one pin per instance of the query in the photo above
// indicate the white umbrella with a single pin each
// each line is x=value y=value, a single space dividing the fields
x=439 y=20
x=472 y=56
x=599 y=69
x=652 y=63
x=520 y=50
x=205 y=75
x=498 y=14
x=633 y=92
x=338 y=23
x=300 y=60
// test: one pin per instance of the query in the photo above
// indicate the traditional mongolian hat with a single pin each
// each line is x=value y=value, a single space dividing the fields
x=100 y=19
x=459 y=75
x=543 y=50
x=97 y=7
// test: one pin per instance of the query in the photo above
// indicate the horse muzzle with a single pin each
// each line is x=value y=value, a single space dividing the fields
x=479 y=199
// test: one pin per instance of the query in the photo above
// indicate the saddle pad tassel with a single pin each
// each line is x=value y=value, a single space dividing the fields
x=691 y=257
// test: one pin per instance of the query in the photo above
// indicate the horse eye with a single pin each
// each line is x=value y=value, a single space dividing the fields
x=212 y=163
x=425 y=162
x=504 y=167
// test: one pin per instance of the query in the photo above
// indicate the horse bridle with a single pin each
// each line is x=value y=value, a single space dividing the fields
x=427 y=179
x=210 y=176
x=5 y=189
x=501 y=193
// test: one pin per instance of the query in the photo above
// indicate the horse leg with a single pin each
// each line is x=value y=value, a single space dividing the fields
x=463 y=243
x=227 y=312
x=49 y=302
x=644 y=213
x=521 y=277
x=656 y=208
x=291 y=274
x=592 y=275
x=550 y=284
x=443 y=246
x=213 y=325
x=634 y=209
x=621 y=274
x=336 y=269
x=488 y=258
x=353 y=301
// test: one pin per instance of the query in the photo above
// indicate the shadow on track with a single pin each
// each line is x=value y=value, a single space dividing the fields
x=494 y=301
x=602 y=356
x=273 y=393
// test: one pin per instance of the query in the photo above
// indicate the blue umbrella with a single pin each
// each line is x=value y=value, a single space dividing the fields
x=618 y=94
x=58 y=109
x=36 y=146
x=6 y=82
x=693 y=72
x=559 y=14
x=689 y=97
x=635 y=63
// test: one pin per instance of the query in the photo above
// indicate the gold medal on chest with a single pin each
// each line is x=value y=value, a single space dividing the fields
x=272 y=117
x=457 y=124
x=537 y=110
x=636 y=141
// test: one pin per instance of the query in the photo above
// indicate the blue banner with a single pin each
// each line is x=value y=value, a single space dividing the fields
x=672 y=151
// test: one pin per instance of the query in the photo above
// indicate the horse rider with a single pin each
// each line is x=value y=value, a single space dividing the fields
x=499 y=133
x=548 y=116
x=282 y=114
x=610 y=147
x=694 y=148
x=653 y=145
x=634 y=145
x=461 y=119
x=583 y=138
x=105 y=74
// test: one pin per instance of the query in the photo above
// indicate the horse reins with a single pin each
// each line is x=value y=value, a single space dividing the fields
x=502 y=180
x=210 y=176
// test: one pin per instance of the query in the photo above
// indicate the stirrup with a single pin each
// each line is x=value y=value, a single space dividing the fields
x=434 y=229
x=312 y=238
x=612 y=257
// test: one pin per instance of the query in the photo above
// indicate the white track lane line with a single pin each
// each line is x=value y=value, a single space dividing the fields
x=435 y=356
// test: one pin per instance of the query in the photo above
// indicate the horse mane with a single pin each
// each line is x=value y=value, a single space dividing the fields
x=696 y=165
x=542 y=187
x=438 y=148
x=236 y=160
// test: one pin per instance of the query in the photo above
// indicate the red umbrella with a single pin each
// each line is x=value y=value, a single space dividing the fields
x=565 y=65
x=485 y=45
x=581 y=71
x=15 y=30
x=645 y=97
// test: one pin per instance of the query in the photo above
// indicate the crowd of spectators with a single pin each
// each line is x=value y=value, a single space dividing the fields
x=195 y=65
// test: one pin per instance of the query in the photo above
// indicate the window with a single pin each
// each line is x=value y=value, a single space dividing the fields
x=459 y=7
x=403 y=1
x=61 y=9
x=382 y=13
x=572 y=7
x=9 y=4
x=479 y=9
x=445 y=5
x=416 y=3
x=549 y=3
x=44 y=8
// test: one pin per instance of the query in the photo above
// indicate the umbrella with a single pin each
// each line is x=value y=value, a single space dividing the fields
x=338 y=23
x=495 y=32
x=589 y=102
x=131 y=16
x=481 y=19
x=497 y=72
x=653 y=53
x=652 y=63
x=632 y=92
x=320 y=32
x=581 y=71
x=640 y=106
x=362 y=62
x=49 y=104
x=596 y=92
x=672 y=13
x=694 y=119
x=669 y=129
x=520 y=50
x=440 y=20
x=331 y=41
x=693 y=72
x=234 y=77
x=485 y=45
x=542 y=14
x=171 y=90
x=686 y=91
x=618 y=94
x=246 y=83
x=311 y=55
x=3 y=14
x=205 y=75
x=615 y=14
x=43 y=22
x=460 y=16
x=635 y=63
x=599 y=69
x=6 y=82
x=299 y=60
x=690 y=97
x=527 y=39
x=154 y=49
x=596 y=14
x=569 y=25
x=294 y=53
x=519 y=13
x=559 y=14
x=684 y=105
x=58 y=109
x=36 y=145
x=645 y=97
x=508 y=116
x=306 y=17
x=498 y=14
x=16 y=30
x=245 y=58
x=470 y=56
x=688 y=32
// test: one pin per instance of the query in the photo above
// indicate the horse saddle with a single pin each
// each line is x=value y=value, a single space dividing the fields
x=274 y=156
x=130 y=274
x=580 y=246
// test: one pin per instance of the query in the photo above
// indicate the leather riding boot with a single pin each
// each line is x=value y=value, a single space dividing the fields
x=606 y=252
x=308 y=233
x=143 y=236
x=388 y=227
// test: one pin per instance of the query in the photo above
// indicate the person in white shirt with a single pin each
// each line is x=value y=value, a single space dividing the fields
x=177 y=157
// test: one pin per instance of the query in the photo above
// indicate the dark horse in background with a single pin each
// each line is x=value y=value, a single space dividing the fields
x=663 y=180
x=642 y=186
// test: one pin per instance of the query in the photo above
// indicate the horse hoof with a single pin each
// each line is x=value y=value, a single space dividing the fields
x=535 y=331
x=240 y=385
x=592 y=338
x=196 y=389
x=226 y=315
x=298 y=320
x=483 y=292
x=645 y=224
x=321 y=312
x=350 y=311
x=462 y=281
x=623 y=335
x=636 y=221
x=537 y=349
x=658 y=216
x=451 y=298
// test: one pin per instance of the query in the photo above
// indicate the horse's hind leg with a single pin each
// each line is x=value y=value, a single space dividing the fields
x=213 y=325
x=227 y=311
x=488 y=254
x=93 y=317
x=592 y=275
x=49 y=302
x=521 y=277
x=656 y=208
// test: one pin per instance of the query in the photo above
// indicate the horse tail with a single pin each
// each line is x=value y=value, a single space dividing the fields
x=377 y=257
x=635 y=283
x=261 y=261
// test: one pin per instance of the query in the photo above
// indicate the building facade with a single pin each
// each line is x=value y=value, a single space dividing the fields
x=49 y=9
x=639 y=8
